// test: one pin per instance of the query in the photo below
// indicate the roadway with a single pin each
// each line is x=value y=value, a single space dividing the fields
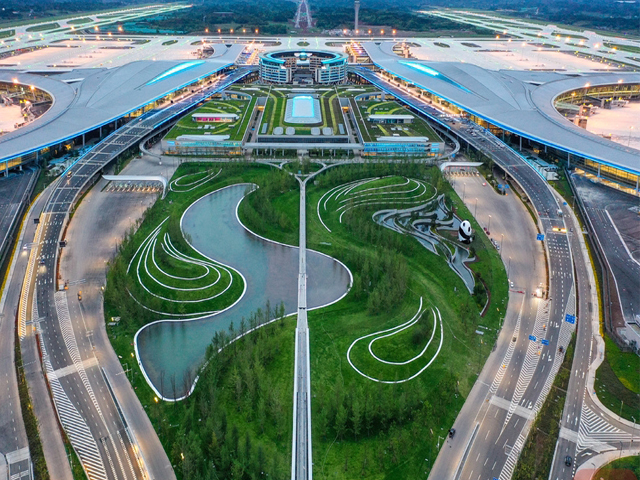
x=498 y=425
x=83 y=397
x=301 y=462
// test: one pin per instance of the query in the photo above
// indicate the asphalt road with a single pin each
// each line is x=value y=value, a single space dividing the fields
x=609 y=213
x=588 y=427
x=83 y=396
x=14 y=448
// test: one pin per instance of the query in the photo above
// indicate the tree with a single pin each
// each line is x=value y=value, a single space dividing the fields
x=341 y=421
x=356 y=417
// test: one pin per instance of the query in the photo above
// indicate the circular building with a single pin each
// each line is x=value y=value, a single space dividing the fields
x=303 y=67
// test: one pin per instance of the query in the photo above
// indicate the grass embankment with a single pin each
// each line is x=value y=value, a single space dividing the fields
x=237 y=423
x=372 y=130
x=624 y=48
x=374 y=430
x=235 y=129
x=7 y=33
x=537 y=453
x=79 y=21
x=618 y=382
x=43 y=27
x=627 y=468
x=40 y=471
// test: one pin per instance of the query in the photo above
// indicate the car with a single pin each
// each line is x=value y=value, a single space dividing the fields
x=568 y=460
x=511 y=284
x=79 y=295
x=452 y=432
x=484 y=184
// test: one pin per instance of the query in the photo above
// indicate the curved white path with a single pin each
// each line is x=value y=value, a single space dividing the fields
x=437 y=317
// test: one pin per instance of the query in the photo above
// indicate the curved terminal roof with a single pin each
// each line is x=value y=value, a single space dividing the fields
x=96 y=97
x=517 y=101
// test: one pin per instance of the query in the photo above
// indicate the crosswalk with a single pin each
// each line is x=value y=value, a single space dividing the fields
x=64 y=319
x=596 y=434
x=74 y=425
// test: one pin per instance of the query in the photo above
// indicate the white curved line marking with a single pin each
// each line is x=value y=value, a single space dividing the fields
x=395 y=330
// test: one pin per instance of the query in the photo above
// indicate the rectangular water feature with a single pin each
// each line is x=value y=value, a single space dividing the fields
x=303 y=109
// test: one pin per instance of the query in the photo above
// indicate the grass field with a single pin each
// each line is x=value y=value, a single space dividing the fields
x=372 y=430
x=617 y=381
x=7 y=33
x=235 y=129
x=624 y=48
x=79 y=21
x=43 y=27
x=627 y=468
x=371 y=131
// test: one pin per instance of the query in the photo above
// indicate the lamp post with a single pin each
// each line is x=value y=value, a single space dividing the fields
x=501 y=240
x=475 y=210
x=629 y=141
x=489 y=223
x=509 y=268
x=464 y=189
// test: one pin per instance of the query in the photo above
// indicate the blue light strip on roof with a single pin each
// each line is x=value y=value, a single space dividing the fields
x=433 y=73
x=175 y=70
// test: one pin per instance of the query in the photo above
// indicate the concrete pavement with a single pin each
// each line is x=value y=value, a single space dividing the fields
x=301 y=462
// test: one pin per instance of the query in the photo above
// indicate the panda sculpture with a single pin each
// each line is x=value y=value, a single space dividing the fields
x=465 y=232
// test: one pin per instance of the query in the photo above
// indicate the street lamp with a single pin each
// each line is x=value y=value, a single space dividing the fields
x=489 y=223
x=464 y=189
x=501 y=240
x=629 y=141
x=475 y=210
x=509 y=268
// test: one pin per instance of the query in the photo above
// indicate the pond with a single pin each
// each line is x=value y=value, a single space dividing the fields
x=171 y=351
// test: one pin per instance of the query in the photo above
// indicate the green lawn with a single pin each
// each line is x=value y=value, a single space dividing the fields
x=372 y=430
x=371 y=131
x=43 y=27
x=627 y=468
x=617 y=381
x=7 y=33
x=80 y=21
x=235 y=129
x=624 y=48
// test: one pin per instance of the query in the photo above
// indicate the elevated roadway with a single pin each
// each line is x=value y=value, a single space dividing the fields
x=84 y=399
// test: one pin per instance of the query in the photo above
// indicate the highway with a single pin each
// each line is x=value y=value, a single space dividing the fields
x=496 y=427
x=301 y=461
x=83 y=397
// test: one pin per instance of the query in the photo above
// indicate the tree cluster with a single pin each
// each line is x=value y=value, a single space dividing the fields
x=258 y=209
x=227 y=427
x=369 y=409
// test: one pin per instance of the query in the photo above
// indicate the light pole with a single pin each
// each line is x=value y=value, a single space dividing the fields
x=509 y=268
x=629 y=141
x=475 y=210
x=501 y=240
x=489 y=223
x=464 y=189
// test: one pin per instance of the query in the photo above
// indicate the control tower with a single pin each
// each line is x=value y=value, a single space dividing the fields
x=357 y=7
